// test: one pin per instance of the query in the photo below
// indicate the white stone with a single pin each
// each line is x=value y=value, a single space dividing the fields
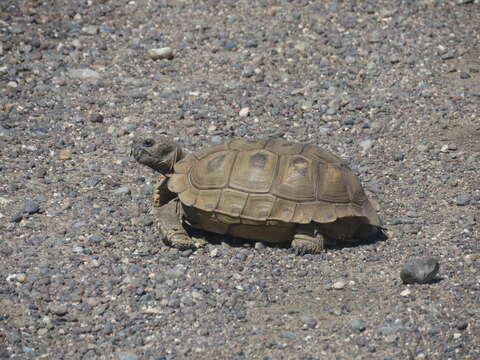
x=161 y=53
x=244 y=112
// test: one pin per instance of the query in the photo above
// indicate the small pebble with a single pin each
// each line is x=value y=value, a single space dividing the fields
x=124 y=190
x=90 y=30
x=95 y=118
x=462 y=200
x=21 y=278
x=339 y=285
x=405 y=292
x=42 y=331
x=288 y=334
x=308 y=321
x=259 y=245
x=398 y=156
x=186 y=253
x=92 y=182
x=244 y=112
x=230 y=45
x=423 y=147
x=161 y=53
x=366 y=144
x=358 y=325
x=65 y=154
x=394 y=59
x=448 y=56
x=17 y=217
x=421 y=271
x=462 y=325
x=31 y=206
x=124 y=355
x=84 y=74
x=78 y=249
x=58 y=309
x=215 y=253
x=242 y=256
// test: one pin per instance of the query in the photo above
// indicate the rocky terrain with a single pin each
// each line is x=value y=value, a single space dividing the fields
x=392 y=87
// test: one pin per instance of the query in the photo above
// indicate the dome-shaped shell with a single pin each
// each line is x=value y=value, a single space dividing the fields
x=270 y=181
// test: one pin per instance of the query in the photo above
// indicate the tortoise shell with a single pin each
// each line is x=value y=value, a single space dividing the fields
x=270 y=181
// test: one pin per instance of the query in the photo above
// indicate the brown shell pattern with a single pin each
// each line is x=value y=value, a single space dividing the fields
x=271 y=180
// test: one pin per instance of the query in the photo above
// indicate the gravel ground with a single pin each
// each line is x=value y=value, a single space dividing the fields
x=393 y=87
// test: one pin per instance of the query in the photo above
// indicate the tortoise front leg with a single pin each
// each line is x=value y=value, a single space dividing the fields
x=161 y=194
x=171 y=230
x=307 y=240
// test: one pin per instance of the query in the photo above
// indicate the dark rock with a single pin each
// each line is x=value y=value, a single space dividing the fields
x=17 y=217
x=95 y=118
x=462 y=325
x=398 y=156
x=421 y=271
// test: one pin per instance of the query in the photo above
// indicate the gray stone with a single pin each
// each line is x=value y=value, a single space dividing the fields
x=394 y=59
x=92 y=182
x=90 y=30
x=241 y=256
x=324 y=131
x=126 y=355
x=366 y=144
x=78 y=249
x=288 y=334
x=215 y=140
x=84 y=74
x=124 y=190
x=394 y=329
x=230 y=45
x=462 y=200
x=421 y=271
x=448 y=56
x=95 y=239
x=58 y=309
x=462 y=325
x=308 y=321
x=17 y=217
x=31 y=206
x=358 y=325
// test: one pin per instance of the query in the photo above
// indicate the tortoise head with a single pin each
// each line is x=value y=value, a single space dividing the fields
x=158 y=152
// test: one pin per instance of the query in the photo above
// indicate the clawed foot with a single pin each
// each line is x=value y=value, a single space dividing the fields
x=181 y=241
x=301 y=247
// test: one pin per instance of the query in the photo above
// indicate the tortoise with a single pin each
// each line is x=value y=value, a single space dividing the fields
x=268 y=190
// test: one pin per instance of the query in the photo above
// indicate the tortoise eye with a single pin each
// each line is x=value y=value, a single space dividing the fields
x=148 y=143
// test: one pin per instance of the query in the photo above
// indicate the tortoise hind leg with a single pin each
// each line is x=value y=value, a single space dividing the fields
x=307 y=240
x=171 y=230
